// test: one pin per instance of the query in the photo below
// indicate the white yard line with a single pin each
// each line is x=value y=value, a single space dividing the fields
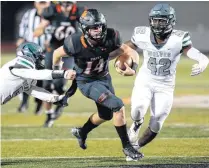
x=90 y=139
x=86 y=157
x=175 y=125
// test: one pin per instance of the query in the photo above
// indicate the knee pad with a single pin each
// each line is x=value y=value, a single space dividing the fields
x=116 y=103
x=110 y=101
x=155 y=124
x=107 y=115
x=137 y=113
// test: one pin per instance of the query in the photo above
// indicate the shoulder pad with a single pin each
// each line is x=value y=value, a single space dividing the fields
x=140 y=30
x=179 y=33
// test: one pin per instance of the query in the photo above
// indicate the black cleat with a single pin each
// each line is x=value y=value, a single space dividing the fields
x=49 y=120
x=22 y=108
x=81 y=139
x=58 y=111
x=131 y=153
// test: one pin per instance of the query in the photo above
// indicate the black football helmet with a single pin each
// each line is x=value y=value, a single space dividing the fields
x=92 y=19
x=34 y=52
x=162 y=19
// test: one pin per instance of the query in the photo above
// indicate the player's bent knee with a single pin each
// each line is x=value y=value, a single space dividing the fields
x=117 y=104
x=137 y=113
x=155 y=125
x=106 y=116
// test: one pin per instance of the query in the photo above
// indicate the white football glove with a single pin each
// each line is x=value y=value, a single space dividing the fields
x=56 y=98
x=196 y=69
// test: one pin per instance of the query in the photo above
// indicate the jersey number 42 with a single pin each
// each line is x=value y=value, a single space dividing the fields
x=163 y=70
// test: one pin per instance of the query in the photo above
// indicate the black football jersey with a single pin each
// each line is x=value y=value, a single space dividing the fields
x=91 y=61
x=60 y=25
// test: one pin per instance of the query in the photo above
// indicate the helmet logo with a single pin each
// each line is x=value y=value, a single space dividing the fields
x=84 y=13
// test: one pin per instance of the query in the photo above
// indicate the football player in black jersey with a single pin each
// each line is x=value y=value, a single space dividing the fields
x=62 y=18
x=92 y=49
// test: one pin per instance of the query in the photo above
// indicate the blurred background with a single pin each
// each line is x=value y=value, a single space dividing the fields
x=184 y=137
x=191 y=16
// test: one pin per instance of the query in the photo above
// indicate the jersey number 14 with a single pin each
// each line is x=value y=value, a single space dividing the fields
x=97 y=66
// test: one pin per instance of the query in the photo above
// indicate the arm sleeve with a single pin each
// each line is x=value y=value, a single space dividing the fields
x=186 y=41
x=196 y=55
x=68 y=46
x=42 y=94
x=33 y=73
x=24 y=24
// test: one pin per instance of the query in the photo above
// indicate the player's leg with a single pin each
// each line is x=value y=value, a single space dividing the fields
x=24 y=103
x=38 y=101
x=160 y=108
x=140 y=101
x=100 y=93
x=47 y=85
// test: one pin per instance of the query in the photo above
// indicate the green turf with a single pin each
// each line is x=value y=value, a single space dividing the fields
x=184 y=138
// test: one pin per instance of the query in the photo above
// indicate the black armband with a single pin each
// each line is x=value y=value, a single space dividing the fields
x=134 y=66
x=57 y=74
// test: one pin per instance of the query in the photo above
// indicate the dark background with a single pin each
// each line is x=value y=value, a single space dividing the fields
x=191 y=16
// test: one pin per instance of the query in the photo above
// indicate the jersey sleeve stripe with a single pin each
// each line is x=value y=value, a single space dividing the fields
x=26 y=62
x=186 y=39
x=186 y=43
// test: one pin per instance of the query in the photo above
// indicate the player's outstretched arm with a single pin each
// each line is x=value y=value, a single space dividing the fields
x=43 y=74
x=58 y=54
x=43 y=94
x=202 y=59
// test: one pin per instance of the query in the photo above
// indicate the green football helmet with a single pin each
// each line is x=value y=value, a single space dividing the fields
x=162 y=19
x=34 y=52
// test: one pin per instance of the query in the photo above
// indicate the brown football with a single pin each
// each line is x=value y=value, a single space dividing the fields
x=119 y=62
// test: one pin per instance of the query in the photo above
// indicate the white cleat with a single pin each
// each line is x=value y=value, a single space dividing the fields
x=134 y=132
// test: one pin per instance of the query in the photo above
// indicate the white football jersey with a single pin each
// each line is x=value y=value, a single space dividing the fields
x=11 y=85
x=160 y=60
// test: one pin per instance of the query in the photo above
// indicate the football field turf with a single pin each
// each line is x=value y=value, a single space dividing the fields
x=183 y=141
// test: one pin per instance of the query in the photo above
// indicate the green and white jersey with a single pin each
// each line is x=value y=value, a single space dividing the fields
x=12 y=85
x=160 y=60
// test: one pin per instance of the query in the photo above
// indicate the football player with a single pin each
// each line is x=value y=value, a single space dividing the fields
x=91 y=51
x=162 y=47
x=62 y=18
x=29 y=22
x=21 y=74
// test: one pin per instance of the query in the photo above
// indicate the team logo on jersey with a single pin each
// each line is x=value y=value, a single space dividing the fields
x=164 y=54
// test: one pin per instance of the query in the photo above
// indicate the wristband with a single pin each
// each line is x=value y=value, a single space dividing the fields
x=134 y=66
x=57 y=74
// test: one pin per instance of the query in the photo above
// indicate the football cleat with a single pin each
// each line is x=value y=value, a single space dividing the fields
x=134 y=132
x=49 y=120
x=132 y=154
x=81 y=139
x=22 y=108
x=58 y=111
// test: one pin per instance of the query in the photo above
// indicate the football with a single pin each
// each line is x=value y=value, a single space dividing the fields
x=120 y=60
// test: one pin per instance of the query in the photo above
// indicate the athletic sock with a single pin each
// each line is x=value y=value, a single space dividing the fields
x=87 y=127
x=122 y=132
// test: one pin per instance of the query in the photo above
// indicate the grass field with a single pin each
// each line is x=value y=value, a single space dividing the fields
x=183 y=141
